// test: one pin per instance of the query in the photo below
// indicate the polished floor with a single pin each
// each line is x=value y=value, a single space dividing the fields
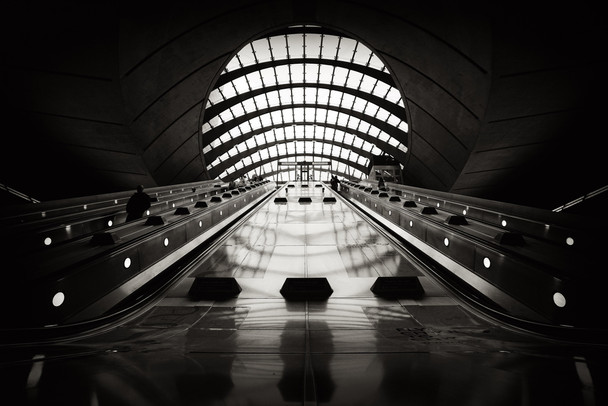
x=351 y=349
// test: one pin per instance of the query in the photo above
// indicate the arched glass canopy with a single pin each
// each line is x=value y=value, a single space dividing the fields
x=304 y=94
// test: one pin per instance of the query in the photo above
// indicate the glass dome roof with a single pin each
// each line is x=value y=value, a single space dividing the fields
x=302 y=94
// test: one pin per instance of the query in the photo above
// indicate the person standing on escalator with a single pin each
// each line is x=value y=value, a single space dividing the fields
x=138 y=203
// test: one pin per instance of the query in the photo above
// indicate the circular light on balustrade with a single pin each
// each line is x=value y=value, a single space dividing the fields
x=58 y=299
x=172 y=205
x=437 y=204
x=464 y=212
x=127 y=262
x=48 y=241
x=147 y=212
x=411 y=223
x=221 y=213
x=390 y=213
x=234 y=205
x=446 y=242
x=115 y=201
x=110 y=223
x=570 y=241
x=486 y=262
x=504 y=223
x=166 y=242
x=84 y=207
x=200 y=223
x=191 y=199
x=559 y=299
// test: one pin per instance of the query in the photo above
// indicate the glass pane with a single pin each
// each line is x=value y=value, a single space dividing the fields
x=362 y=54
x=295 y=44
x=268 y=78
x=262 y=52
x=340 y=76
x=240 y=84
x=347 y=48
x=298 y=95
x=367 y=84
x=393 y=95
x=313 y=45
x=282 y=74
x=297 y=73
x=233 y=65
x=376 y=63
x=277 y=44
x=273 y=98
x=311 y=74
x=260 y=101
x=323 y=96
x=326 y=74
x=354 y=79
x=330 y=43
x=310 y=94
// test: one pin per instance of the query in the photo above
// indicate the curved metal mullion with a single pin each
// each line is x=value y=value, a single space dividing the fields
x=337 y=173
x=392 y=131
x=230 y=161
x=214 y=173
x=365 y=70
x=391 y=107
x=382 y=145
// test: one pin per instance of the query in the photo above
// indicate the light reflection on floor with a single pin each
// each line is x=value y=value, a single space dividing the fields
x=353 y=349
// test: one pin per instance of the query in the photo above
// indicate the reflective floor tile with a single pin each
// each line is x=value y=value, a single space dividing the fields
x=324 y=261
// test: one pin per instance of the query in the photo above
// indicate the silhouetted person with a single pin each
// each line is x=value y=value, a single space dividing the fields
x=232 y=184
x=138 y=204
x=334 y=183
x=381 y=183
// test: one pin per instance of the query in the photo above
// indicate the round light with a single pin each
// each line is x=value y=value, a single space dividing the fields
x=110 y=223
x=127 y=263
x=504 y=223
x=172 y=205
x=486 y=262
x=84 y=207
x=200 y=223
x=147 y=212
x=570 y=241
x=48 y=241
x=166 y=242
x=58 y=299
x=446 y=242
x=559 y=299
x=221 y=213
x=390 y=213
x=115 y=201
x=464 y=212
x=411 y=223
x=234 y=205
x=437 y=204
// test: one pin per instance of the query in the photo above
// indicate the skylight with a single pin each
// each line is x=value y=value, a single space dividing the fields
x=303 y=94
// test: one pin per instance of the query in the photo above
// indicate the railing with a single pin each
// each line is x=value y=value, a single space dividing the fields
x=540 y=267
x=72 y=282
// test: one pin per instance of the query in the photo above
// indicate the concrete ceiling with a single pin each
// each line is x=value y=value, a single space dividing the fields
x=504 y=102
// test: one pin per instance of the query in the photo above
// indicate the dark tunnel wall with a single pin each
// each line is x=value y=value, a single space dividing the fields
x=504 y=101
